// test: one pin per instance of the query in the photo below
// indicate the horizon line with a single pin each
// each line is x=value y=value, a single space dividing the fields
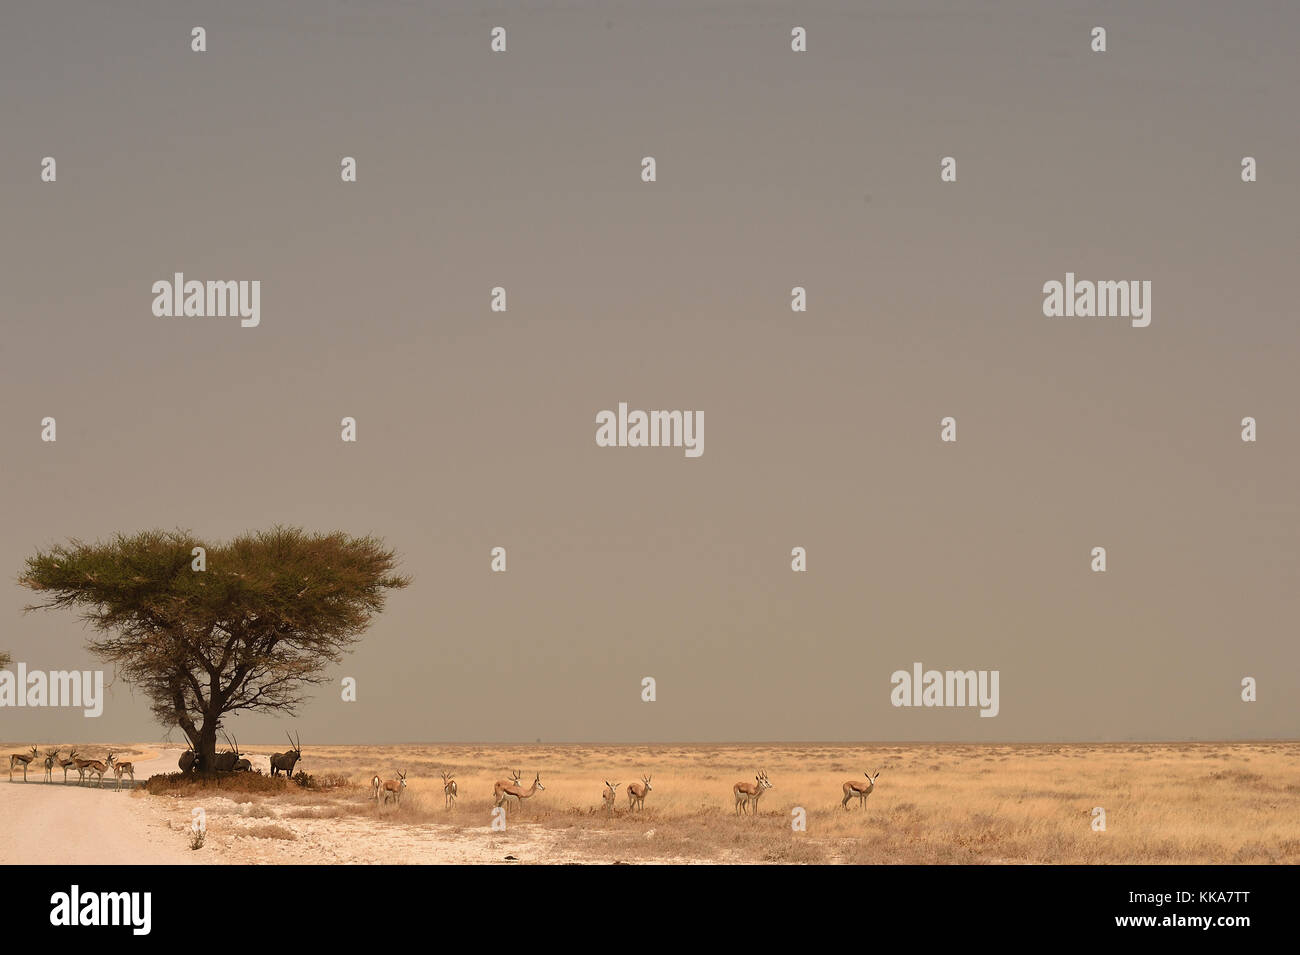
x=811 y=742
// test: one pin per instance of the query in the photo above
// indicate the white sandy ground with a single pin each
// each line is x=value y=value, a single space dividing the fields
x=50 y=823
x=57 y=824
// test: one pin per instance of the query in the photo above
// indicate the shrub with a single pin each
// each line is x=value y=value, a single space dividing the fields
x=182 y=783
x=270 y=831
x=322 y=782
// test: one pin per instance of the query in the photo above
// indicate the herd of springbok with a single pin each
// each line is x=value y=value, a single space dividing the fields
x=383 y=791
x=95 y=768
x=746 y=794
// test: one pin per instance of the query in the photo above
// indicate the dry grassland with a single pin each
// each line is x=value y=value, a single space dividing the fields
x=943 y=803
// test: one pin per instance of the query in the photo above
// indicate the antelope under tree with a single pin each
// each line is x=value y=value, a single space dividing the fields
x=271 y=611
x=232 y=760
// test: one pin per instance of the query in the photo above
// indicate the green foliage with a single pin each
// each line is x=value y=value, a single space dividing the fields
x=265 y=618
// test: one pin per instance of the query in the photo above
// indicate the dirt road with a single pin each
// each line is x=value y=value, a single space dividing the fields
x=57 y=824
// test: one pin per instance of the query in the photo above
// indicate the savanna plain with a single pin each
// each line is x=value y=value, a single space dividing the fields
x=1181 y=803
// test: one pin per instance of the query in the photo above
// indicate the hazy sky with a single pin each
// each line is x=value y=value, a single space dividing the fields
x=775 y=169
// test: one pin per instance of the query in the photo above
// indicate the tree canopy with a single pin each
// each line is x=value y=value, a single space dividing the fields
x=243 y=625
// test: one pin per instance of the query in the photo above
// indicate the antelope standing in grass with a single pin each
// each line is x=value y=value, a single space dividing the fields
x=375 y=783
x=69 y=763
x=50 y=757
x=747 y=794
x=636 y=793
x=121 y=769
x=609 y=795
x=861 y=790
x=284 y=762
x=449 y=789
x=502 y=785
x=20 y=759
x=394 y=788
x=520 y=793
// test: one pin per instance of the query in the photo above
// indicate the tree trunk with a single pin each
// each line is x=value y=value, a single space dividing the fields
x=206 y=752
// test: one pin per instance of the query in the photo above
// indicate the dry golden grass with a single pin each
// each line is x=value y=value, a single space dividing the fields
x=944 y=803
x=933 y=803
x=270 y=831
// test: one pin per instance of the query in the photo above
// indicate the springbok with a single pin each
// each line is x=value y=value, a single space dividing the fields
x=375 y=783
x=121 y=769
x=609 y=795
x=636 y=793
x=50 y=757
x=861 y=790
x=502 y=785
x=68 y=763
x=284 y=762
x=393 y=788
x=449 y=790
x=22 y=759
x=747 y=794
x=81 y=766
x=95 y=767
x=520 y=793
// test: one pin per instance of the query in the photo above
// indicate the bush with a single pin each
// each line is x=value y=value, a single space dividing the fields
x=320 y=783
x=181 y=783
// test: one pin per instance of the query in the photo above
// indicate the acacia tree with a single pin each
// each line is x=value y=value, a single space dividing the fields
x=244 y=625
